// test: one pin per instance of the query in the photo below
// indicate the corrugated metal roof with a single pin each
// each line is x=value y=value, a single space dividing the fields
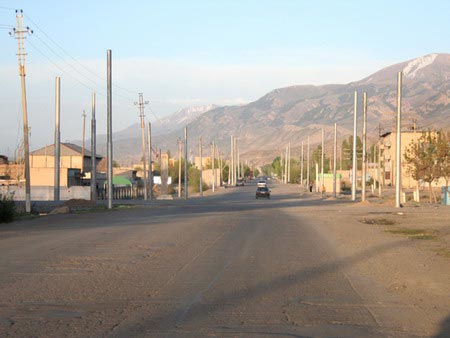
x=67 y=149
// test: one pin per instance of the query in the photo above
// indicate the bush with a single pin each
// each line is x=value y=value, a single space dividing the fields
x=7 y=208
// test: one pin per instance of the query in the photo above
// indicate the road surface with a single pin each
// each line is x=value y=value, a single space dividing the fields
x=226 y=265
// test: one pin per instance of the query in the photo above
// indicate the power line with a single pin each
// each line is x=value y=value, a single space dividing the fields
x=74 y=59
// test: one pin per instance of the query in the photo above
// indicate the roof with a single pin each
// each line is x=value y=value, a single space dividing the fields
x=121 y=181
x=67 y=149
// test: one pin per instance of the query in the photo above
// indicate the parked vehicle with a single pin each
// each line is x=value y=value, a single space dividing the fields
x=262 y=192
x=239 y=182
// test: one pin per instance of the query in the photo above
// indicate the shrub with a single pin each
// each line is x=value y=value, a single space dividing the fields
x=7 y=208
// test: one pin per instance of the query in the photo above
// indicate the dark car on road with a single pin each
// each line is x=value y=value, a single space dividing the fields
x=262 y=192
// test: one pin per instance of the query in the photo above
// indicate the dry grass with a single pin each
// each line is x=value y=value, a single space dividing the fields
x=422 y=234
x=378 y=221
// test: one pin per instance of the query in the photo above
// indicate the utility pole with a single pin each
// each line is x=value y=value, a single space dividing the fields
x=398 y=150
x=200 y=152
x=354 y=163
x=364 y=155
x=321 y=166
x=93 y=152
x=289 y=165
x=307 y=167
x=379 y=170
x=83 y=142
x=231 y=167
x=150 y=162
x=334 y=161
x=57 y=150
x=185 y=163
x=238 y=165
x=213 y=157
x=301 y=167
x=286 y=165
x=20 y=33
x=141 y=105
x=179 y=168
x=109 y=127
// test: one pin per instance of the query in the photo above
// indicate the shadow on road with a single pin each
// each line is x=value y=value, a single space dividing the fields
x=199 y=309
x=444 y=331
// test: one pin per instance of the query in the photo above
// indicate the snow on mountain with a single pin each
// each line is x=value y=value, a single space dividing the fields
x=411 y=69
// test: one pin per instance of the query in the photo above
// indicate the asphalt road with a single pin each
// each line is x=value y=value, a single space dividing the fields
x=225 y=265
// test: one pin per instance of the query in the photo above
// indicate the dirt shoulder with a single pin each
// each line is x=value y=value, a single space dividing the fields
x=410 y=252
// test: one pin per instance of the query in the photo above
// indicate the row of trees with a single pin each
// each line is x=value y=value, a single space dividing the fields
x=429 y=159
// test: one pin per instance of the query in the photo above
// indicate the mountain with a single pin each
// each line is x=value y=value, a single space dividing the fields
x=293 y=113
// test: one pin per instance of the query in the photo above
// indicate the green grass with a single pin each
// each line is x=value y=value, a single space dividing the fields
x=422 y=234
x=444 y=252
x=378 y=221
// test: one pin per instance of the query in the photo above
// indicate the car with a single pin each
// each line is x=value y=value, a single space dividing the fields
x=262 y=183
x=239 y=182
x=262 y=192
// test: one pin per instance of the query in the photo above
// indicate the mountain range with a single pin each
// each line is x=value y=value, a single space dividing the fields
x=292 y=114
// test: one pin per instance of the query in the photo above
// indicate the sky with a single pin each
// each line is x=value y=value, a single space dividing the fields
x=187 y=53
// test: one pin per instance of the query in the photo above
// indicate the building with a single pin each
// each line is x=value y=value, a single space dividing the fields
x=388 y=148
x=72 y=165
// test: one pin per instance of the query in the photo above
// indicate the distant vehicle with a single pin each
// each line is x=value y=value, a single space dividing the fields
x=239 y=182
x=262 y=183
x=262 y=192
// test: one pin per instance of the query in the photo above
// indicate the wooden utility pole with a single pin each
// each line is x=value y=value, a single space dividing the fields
x=20 y=33
x=141 y=105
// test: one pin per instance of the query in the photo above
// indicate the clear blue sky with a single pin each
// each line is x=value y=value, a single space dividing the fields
x=183 y=53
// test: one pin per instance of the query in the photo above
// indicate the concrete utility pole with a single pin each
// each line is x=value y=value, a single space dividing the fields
x=109 y=127
x=141 y=105
x=200 y=152
x=231 y=167
x=286 y=161
x=235 y=161
x=364 y=159
x=20 y=33
x=379 y=170
x=213 y=165
x=282 y=167
x=93 y=152
x=354 y=163
x=83 y=142
x=179 y=167
x=308 y=178
x=301 y=166
x=150 y=162
x=185 y=163
x=57 y=150
x=334 y=161
x=321 y=166
x=398 y=150
x=238 y=165
x=289 y=164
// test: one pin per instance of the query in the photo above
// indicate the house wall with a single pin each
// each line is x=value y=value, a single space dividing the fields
x=46 y=177
x=46 y=193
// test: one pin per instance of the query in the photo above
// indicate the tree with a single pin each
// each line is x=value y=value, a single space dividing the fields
x=422 y=158
x=443 y=155
x=347 y=152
